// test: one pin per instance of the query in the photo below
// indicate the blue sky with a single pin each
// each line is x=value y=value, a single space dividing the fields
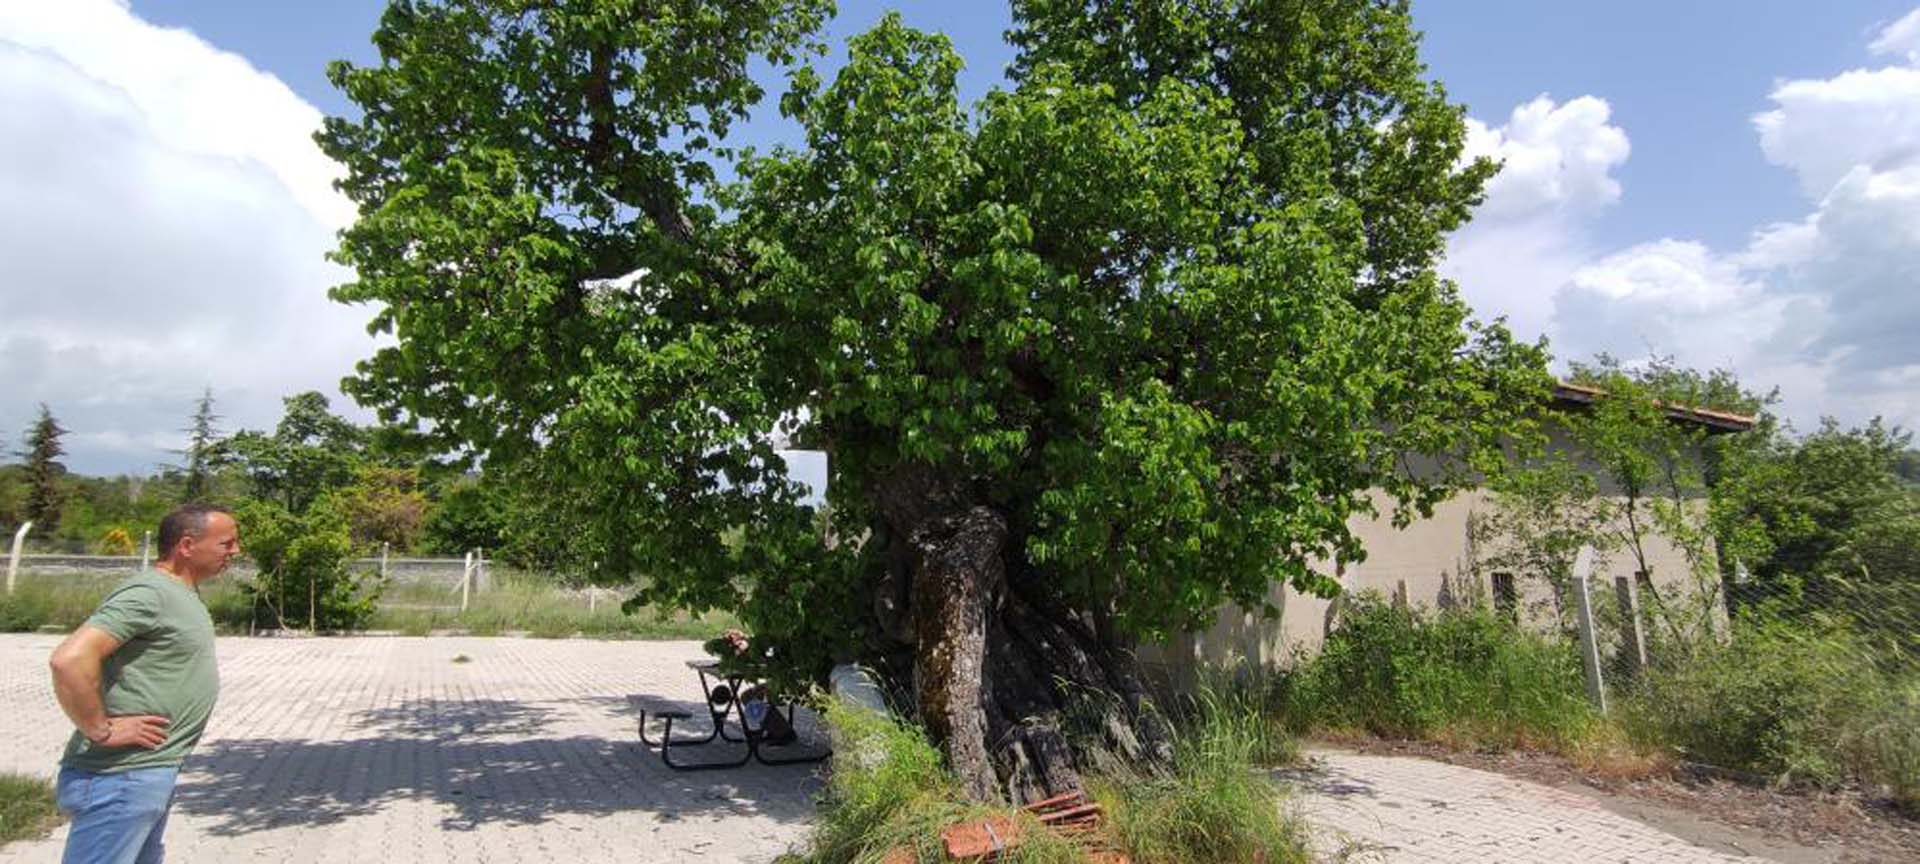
x=1732 y=182
x=1683 y=78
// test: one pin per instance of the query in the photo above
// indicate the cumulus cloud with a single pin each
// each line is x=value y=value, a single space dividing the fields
x=1529 y=236
x=1824 y=306
x=1901 y=38
x=164 y=215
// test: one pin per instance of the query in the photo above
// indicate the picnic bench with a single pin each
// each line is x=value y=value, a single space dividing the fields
x=726 y=701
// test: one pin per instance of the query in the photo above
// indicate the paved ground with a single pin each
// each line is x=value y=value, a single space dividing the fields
x=391 y=749
x=386 y=749
x=1401 y=809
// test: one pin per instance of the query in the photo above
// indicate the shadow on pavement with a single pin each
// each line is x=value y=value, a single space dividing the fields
x=491 y=761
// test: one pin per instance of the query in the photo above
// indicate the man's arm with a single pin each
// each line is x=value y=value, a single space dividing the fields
x=76 y=666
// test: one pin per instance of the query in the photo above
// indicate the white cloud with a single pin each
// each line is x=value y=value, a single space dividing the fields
x=1826 y=306
x=1901 y=38
x=1529 y=236
x=164 y=215
x=1556 y=158
x=1822 y=129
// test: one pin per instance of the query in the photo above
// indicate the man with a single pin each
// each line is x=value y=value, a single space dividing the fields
x=138 y=681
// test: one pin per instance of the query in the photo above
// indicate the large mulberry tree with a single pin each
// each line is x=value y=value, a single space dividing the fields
x=1125 y=341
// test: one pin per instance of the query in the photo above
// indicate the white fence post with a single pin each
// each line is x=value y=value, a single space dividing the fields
x=146 y=550
x=13 y=560
x=1589 y=641
x=466 y=581
x=593 y=599
x=383 y=561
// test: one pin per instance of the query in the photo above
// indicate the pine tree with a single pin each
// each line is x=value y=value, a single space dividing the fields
x=43 y=471
x=205 y=449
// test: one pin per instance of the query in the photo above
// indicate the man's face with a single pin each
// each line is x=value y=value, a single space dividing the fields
x=215 y=548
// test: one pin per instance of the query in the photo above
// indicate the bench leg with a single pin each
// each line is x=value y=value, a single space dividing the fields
x=663 y=741
x=666 y=759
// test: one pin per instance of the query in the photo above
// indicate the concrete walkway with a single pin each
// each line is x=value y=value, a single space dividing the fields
x=396 y=749
x=1397 y=809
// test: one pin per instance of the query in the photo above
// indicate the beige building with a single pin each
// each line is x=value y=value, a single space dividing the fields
x=1431 y=563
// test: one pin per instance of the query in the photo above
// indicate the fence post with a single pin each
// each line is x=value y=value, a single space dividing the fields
x=1589 y=641
x=593 y=599
x=1628 y=593
x=1400 y=597
x=466 y=581
x=13 y=560
x=383 y=561
x=146 y=550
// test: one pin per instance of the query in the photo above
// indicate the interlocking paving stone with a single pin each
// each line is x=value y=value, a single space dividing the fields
x=385 y=749
x=1396 y=809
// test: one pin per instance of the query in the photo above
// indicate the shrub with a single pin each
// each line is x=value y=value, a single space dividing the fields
x=304 y=577
x=1465 y=675
x=1795 y=698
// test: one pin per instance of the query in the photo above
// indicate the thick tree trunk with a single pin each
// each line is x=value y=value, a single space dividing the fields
x=961 y=555
x=1022 y=693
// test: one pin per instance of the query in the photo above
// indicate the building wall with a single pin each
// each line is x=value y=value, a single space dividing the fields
x=1431 y=560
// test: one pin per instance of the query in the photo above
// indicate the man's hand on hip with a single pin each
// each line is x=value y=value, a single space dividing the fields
x=139 y=730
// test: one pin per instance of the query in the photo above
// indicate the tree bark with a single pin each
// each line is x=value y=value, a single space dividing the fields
x=1022 y=692
x=960 y=576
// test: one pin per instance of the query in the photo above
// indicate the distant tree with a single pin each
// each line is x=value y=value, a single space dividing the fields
x=383 y=505
x=310 y=451
x=205 y=451
x=44 y=472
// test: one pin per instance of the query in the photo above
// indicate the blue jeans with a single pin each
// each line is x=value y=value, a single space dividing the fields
x=117 y=818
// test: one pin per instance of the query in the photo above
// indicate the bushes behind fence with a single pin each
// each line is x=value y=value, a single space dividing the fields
x=1464 y=675
x=1793 y=697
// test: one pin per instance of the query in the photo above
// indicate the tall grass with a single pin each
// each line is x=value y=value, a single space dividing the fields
x=890 y=790
x=1793 y=698
x=1462 y=676
x=27 y=809
x=524 y=603
x=515 y=603
x=65 y=601
x=1214 y=805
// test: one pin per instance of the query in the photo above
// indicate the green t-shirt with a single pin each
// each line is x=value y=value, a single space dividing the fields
x=164 y=666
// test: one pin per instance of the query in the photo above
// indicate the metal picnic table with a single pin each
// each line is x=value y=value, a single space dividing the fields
x=724 y=699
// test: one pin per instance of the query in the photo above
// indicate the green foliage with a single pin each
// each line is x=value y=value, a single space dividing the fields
x=43 y=472
x=304 y=579
x=1167 y=302
x=309 y=452
x=206 y=451
x=1826 y=523
x=1462 y=675
x=1791 y=697
x=27 y=808
x=472 y=514
x=382 y=506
